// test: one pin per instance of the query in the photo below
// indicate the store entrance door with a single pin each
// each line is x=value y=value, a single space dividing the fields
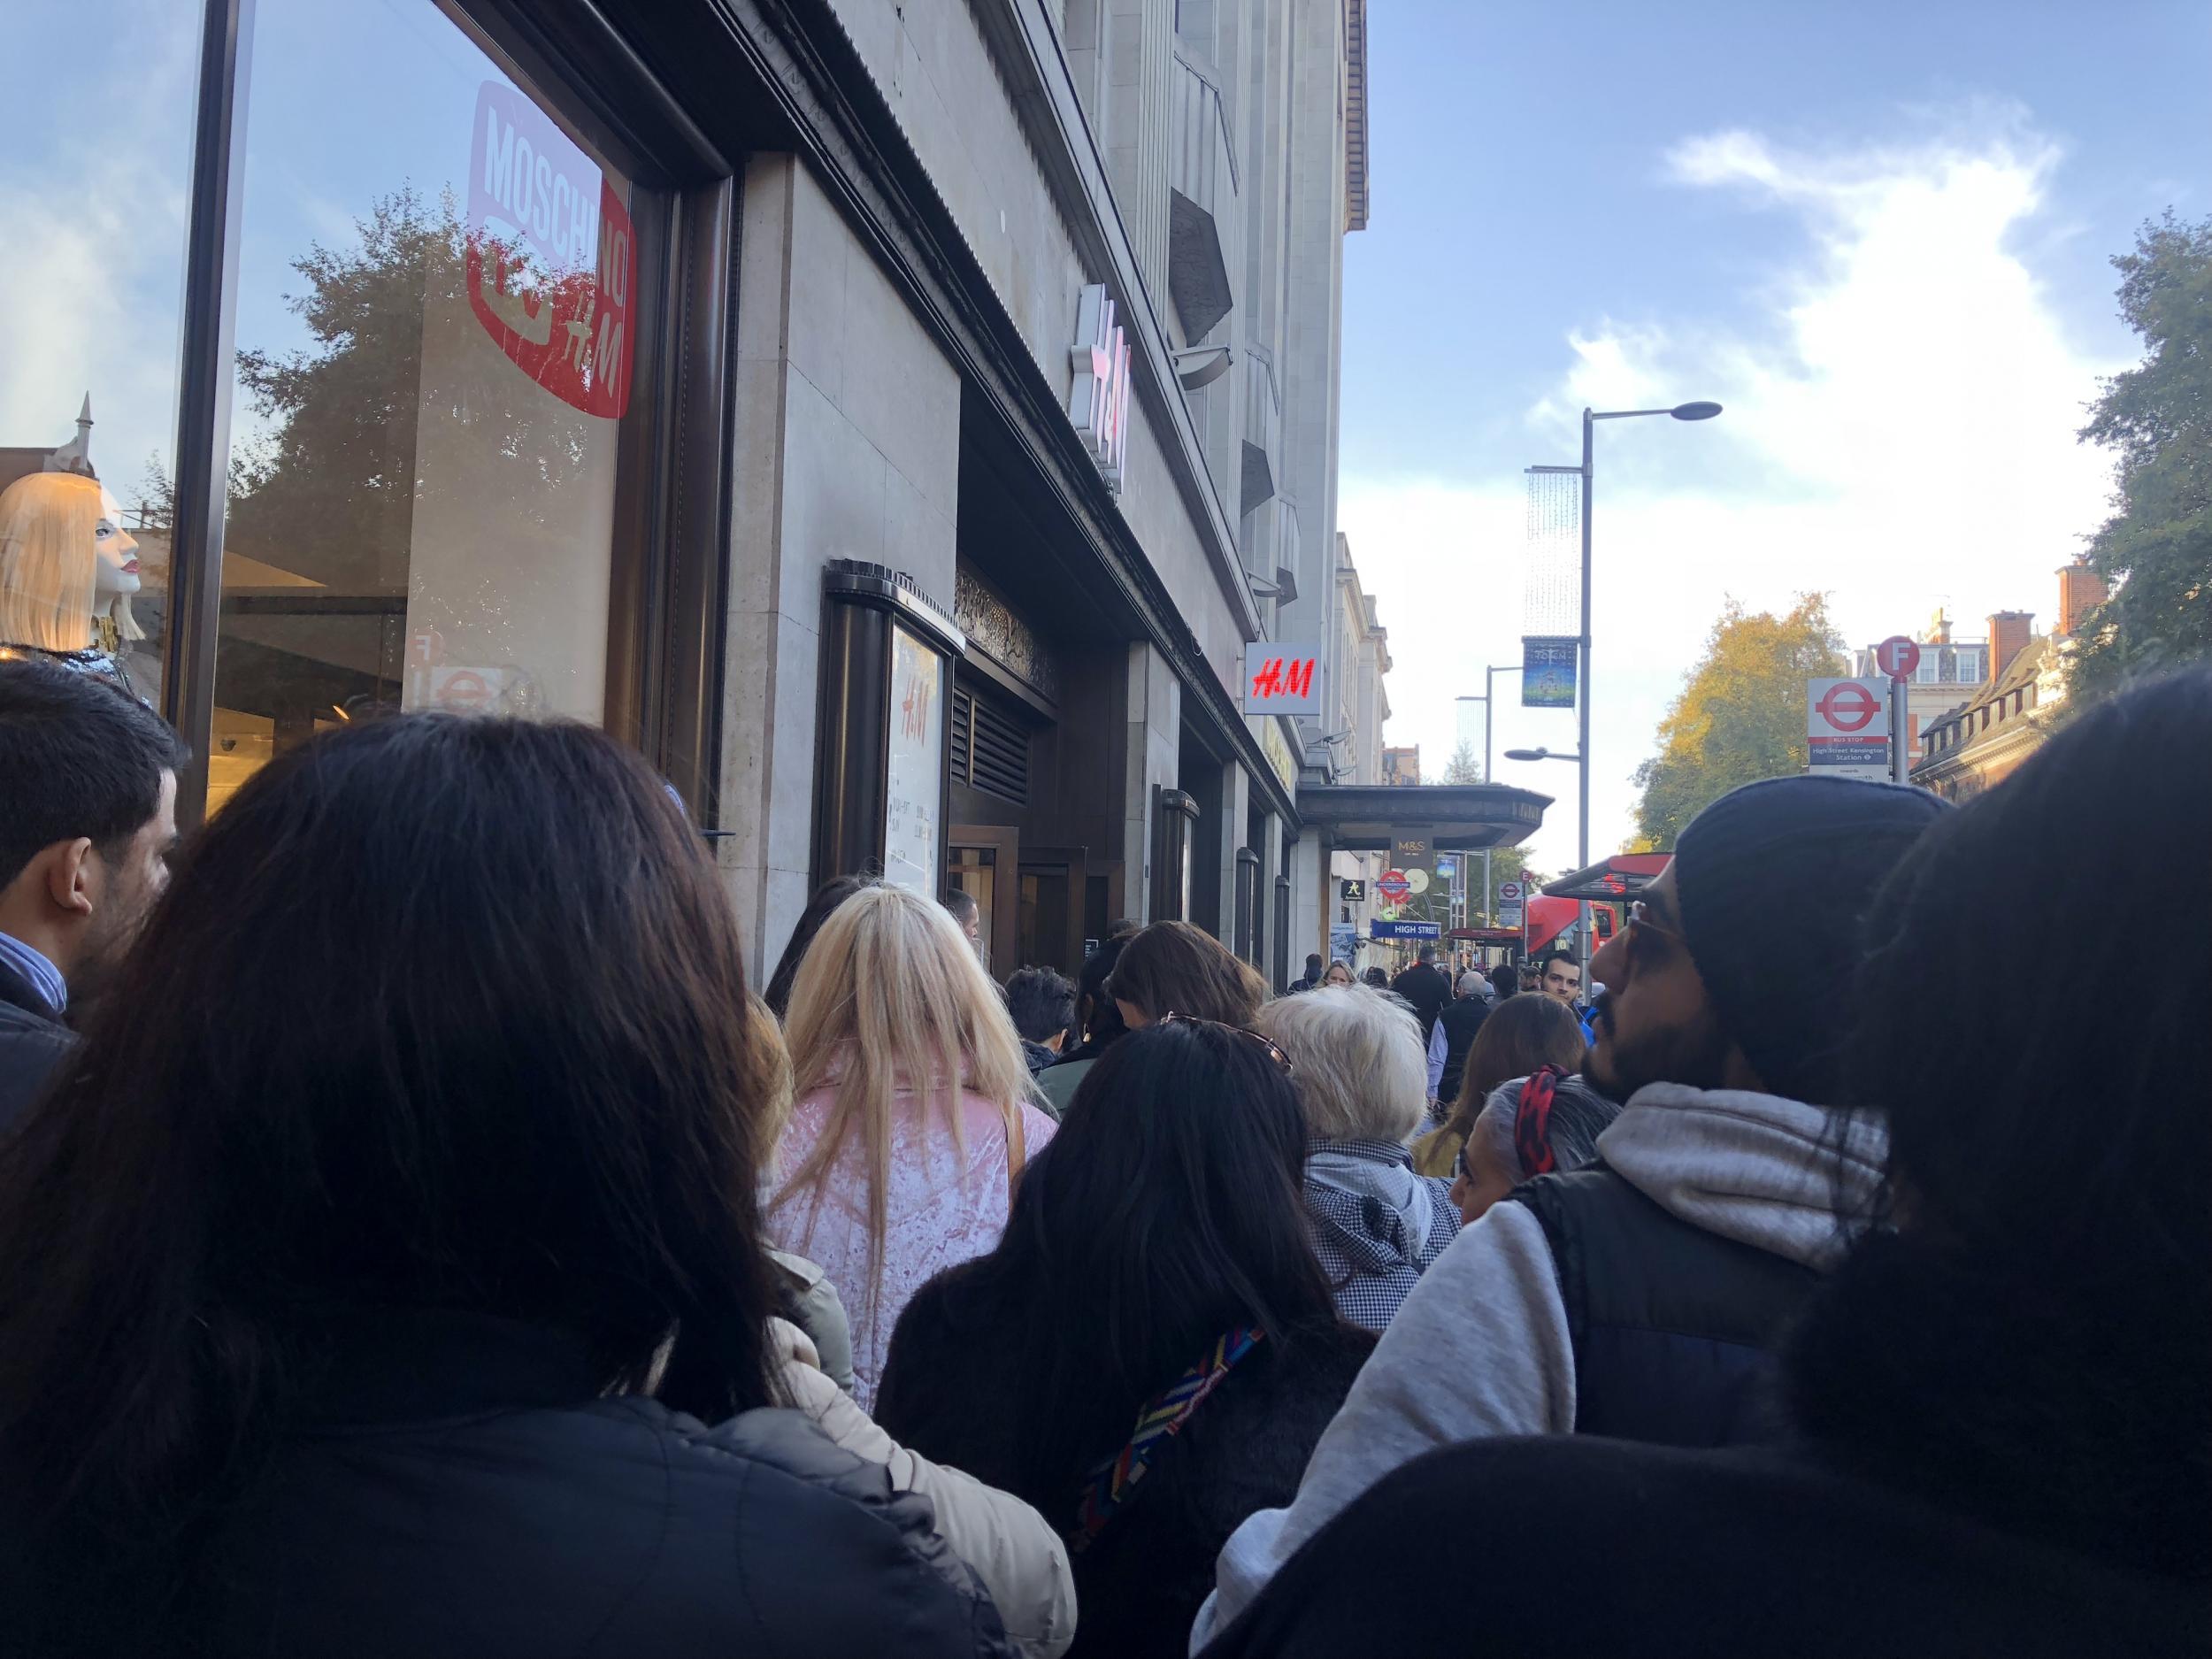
x=1054 y=887
x=982 y=860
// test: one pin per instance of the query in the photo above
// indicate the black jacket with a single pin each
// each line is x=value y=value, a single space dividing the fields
x=33 y=1040
x=950 y=1392
x=1569 y=1545
x=1981 y=1458
x=1674 y=1328
x=462 y=1491
x=1461 y=1021
x=1428 y=990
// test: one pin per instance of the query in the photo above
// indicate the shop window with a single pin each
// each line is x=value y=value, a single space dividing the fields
x=436 y=332
x=96 y=238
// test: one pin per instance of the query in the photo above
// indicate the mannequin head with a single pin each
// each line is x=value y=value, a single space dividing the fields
x=64 y=555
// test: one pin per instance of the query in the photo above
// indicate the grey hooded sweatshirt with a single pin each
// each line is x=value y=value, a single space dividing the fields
x=1480 y=1346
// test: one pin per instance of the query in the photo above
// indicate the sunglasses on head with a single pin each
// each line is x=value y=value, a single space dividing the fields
x=1272 y=1050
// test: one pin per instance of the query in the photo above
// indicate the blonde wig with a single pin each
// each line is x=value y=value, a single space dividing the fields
x=891 y=1000
x=50 y=564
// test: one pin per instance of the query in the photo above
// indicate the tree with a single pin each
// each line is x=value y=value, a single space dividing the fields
x=1463 y=767
x=1740 y=716
x=331 y=491
x=2156 y=549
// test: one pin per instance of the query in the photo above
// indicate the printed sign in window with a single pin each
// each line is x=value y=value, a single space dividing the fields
x=552 y=261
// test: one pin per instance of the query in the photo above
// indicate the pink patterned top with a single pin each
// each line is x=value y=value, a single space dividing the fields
x=942 y=1209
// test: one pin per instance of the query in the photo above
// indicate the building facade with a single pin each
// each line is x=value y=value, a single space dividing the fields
x=1948 y=670
x=1981 y=740
x=895 y=420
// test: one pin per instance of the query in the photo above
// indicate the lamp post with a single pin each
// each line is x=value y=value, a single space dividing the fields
x=1489 y=701
x=1590 y=418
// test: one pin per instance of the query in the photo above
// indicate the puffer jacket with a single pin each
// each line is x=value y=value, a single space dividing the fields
x=461 y=1487
x=1719 y=1210
x=1021 y=1561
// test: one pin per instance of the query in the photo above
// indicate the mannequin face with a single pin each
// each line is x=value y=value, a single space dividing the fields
x=117 y=572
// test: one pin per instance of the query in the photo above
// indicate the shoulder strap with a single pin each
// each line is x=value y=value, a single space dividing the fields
x=1111 y=1483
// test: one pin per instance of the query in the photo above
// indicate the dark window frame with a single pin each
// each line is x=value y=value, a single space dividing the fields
x=669 y=578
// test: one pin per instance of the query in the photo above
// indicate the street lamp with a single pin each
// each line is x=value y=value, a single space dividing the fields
x=1701 y=410
x=1489 y=701
x=1538 y=754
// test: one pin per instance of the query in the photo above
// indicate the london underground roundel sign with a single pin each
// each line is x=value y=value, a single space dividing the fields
x=1848 y=706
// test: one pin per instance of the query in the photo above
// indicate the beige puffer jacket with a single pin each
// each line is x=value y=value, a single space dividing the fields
x=1020 y=1559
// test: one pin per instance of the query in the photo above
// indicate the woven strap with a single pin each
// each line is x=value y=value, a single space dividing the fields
x=1163 y=1418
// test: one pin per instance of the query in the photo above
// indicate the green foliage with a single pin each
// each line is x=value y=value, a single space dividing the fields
x=1740 y=716
x=2156 y=549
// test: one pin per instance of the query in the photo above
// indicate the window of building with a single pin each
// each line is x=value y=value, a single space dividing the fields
x=436 y=339
x=95 y=236
x=1970 y=665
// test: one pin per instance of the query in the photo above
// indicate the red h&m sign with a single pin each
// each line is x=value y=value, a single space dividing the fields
x=552 y=263
x=1280 y=678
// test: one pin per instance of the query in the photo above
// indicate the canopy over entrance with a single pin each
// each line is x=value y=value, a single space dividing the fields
x=1623 y=876
x=1464 y=817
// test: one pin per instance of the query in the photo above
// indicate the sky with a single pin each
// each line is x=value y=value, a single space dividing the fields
x=1879 y=234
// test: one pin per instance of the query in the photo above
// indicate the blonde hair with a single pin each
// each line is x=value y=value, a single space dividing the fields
x=891 y=1000
x=50 y=563
x=1356 y=1063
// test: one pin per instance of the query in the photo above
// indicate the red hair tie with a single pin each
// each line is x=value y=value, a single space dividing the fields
x=1532 y=1122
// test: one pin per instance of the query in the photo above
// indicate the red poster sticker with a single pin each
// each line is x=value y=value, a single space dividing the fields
x=552 y=263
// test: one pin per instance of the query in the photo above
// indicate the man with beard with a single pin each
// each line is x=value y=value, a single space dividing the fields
x=87 y=816
x=1638 y=1298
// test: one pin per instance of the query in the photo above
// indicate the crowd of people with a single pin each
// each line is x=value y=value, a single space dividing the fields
x=417 y=1236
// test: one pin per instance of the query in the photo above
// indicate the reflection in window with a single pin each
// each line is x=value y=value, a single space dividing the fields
x=435 y=343
x=92 y=287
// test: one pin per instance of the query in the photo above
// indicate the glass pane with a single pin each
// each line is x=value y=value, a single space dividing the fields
x=971 y=870
x=93 y=184
x=434 y=335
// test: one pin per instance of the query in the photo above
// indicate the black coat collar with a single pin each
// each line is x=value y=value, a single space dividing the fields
x=409 y=1364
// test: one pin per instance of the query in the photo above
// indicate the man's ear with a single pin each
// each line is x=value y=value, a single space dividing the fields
x=70 y=875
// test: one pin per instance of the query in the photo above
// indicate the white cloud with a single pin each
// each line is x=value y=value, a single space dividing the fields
x=93 y=212
x=1899 y=434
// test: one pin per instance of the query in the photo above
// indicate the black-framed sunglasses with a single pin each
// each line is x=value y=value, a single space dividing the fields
x=1267 y=1045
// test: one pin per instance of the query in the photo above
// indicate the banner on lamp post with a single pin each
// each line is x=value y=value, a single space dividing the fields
x=1549 y=672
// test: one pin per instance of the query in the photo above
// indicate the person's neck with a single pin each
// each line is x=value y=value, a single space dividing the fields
x=23 y=923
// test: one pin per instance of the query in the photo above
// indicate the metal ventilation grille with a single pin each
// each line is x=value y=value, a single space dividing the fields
x=962 y=723
x=998 y=755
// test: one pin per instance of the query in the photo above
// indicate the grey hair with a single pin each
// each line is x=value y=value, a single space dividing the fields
x=1578 y=1116
x=1357 y=1065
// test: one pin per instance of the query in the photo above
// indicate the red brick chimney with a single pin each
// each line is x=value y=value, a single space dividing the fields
x=2009 y=632
x=2080 y=590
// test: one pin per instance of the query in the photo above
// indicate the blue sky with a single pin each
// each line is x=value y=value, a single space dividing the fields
x=1879 y=233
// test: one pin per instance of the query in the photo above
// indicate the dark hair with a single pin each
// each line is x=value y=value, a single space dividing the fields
x=1164 y=1213
x=962 y=903
x=1041 y=1003
x=1315 y=966
x=1578 y=1116
x=1504 y=980
x=1519 y=1035
x=1543 y=965
x=827 y=898
x=2054 y=1184
x=1099 y=1020
x=78 y=758
x=439 y=1013
x=1174 y=968
x=1377 y=978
